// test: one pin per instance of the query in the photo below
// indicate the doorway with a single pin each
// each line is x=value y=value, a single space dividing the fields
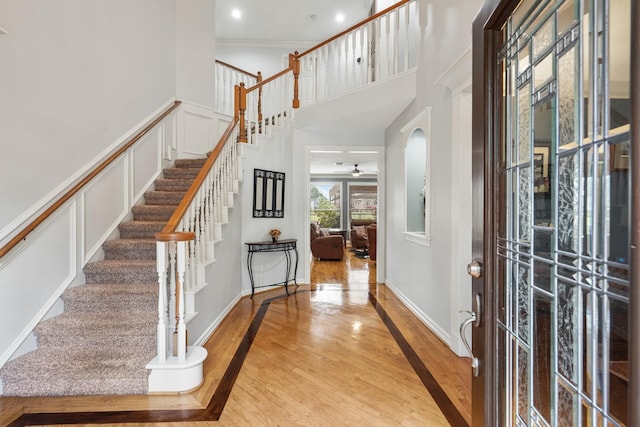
x=552 y=180
x=347 y=173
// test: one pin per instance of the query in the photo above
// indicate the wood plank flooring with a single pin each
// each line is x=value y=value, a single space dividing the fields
x=341 y=351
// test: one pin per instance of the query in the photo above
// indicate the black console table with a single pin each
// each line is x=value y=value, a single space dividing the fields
x=286 y=246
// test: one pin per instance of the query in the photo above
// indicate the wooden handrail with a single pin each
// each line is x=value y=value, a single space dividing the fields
x=181 y=236
x=240 y=70
x=181 y=210
x=359 y=24
x=94 y=172
x=269 y=80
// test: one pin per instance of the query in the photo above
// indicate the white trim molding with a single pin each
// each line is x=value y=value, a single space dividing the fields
x=428 y=322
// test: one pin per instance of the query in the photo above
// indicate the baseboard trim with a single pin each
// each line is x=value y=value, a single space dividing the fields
x=217 y=321
x=428 y=322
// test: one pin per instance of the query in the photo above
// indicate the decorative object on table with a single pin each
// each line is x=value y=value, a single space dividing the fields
x=275 y=234
x=268 y=194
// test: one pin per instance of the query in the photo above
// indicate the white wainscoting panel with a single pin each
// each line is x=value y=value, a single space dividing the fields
x=169 y=137
x=38 y=271
x=195 y=130
x=146 y=157
x=105 y=203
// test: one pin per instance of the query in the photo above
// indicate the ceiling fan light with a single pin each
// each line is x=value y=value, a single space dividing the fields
x=355 y=173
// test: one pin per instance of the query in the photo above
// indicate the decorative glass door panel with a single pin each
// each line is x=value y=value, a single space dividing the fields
x=562 y=214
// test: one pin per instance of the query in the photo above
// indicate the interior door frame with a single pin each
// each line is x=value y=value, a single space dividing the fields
x=485 y=38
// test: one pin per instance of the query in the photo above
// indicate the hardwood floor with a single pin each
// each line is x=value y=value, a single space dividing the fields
x=341 y=351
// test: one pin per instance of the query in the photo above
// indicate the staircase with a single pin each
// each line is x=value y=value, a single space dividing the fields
x=101 y=343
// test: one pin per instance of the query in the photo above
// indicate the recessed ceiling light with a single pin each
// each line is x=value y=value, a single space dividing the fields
x=363 y=152
x=340 y=17
x=236 y=14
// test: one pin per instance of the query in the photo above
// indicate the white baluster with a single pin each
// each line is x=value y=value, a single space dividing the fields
x=407 y=22
x=347 y=63
x=388 y=55
x=182 y=329
x=191 y=260
x=172 y=294
x=161 y=266
x=377 y=39
x=396 y=33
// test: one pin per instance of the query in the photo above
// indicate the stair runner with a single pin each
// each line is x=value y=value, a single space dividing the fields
x=106 y=335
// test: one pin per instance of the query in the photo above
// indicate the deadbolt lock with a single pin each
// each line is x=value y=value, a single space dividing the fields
x=474 y=269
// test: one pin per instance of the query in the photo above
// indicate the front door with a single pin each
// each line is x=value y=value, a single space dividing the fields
x=552 y=144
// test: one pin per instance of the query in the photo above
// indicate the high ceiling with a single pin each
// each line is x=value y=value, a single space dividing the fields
x=278 y=21
x=282 y=22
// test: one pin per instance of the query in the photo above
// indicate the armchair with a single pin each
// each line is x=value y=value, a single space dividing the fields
x=326 y=247
x=359 y=239
x=372 y=235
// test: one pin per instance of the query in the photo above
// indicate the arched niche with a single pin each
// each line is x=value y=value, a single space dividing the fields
x=417 y=143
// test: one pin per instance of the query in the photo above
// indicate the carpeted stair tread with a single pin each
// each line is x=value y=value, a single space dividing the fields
x=140 y=229
x=190 y=163
x=85 y=329
x=130 y=249
x=111 y=297
x=152 y=212
x=172 y=198
x=78 y=371
x=121 y=271
x=180 y=173
x=163 y=184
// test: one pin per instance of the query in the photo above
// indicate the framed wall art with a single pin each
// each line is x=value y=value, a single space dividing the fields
x=268 y=194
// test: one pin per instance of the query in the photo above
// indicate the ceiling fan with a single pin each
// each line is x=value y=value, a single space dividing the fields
x=355 y=171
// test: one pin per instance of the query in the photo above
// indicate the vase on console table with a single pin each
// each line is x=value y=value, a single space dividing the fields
x=274 y=239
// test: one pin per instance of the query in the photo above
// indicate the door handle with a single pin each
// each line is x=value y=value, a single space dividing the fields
x=475 y=319
x=475 y=362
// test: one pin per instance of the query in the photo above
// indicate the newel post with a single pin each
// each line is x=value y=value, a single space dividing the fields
x=258 y=81
x=294 y=64
x=240 y=108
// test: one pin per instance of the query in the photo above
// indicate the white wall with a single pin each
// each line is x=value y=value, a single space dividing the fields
x=422 y=275
x=75 y=76
x=272 y=153
x=195 y=51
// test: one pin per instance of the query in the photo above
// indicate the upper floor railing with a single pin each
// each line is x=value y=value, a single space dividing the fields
x=377 y=48
x=227 y=76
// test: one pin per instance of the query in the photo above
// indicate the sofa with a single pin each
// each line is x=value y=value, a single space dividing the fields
x=326 y=246
x=359 y=232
